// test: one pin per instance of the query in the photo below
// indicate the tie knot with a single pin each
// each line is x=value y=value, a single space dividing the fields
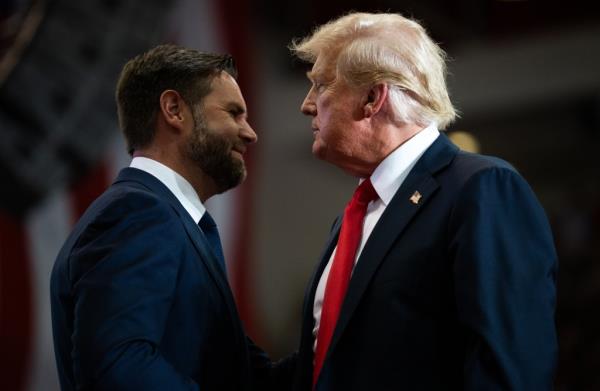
x=365 y=192
x=207 y=222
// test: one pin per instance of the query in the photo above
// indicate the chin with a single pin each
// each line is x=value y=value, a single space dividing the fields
x=322 y=152
x=242 y=176
x=319 y=150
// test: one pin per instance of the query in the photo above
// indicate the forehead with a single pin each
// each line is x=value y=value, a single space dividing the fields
x=224 y=89
x=324 y=67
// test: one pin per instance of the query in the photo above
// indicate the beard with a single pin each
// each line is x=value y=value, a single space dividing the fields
x=211 y=152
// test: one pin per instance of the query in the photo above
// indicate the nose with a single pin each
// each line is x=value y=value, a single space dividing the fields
x=248 y=134
x=308 y=106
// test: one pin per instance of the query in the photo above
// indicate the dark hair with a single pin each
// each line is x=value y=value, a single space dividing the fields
x=145 y=77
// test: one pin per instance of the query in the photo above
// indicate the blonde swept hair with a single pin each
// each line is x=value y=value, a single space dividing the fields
x=388 y=48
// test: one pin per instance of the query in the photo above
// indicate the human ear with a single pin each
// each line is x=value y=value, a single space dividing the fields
x=172 y=108
x=376 y=97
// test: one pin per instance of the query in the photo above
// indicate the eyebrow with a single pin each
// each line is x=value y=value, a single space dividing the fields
x=238 y=108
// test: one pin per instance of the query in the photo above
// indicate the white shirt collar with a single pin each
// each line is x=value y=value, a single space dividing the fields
x=393 y=170
x=178 y=185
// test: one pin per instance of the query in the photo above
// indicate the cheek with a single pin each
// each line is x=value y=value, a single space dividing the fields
x=331 y=127
x=222 y=124
x=325 y=118
x=227 y=130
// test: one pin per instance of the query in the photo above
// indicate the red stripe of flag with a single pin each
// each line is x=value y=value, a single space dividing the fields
x=88 y=188
x=16 y=314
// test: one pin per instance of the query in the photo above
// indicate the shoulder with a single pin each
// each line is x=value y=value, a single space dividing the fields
x=471 y=172
x=123 y=226
x=125 y=212
x=490 y=186
x=489 y=172
x=473 y=163
x=122 y=200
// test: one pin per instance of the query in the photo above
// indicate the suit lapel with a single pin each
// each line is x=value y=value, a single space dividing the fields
x=196 y=236
x=392 y=223
x=211 y=262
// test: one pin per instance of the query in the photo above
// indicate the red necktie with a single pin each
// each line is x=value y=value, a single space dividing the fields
x=341 y=269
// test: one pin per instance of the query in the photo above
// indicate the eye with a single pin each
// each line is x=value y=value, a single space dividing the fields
x=318 y=86
x=236 y=111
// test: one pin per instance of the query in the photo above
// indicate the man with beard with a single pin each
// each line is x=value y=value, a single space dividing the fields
x=140 y=298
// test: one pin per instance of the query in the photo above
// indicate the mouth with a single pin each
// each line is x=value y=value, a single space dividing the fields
x=240 y=151
x=315 y=131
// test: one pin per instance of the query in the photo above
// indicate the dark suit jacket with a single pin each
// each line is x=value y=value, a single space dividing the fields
x=456 y=292
x=139 y=301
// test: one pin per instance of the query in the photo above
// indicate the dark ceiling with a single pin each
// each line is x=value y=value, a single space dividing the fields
x=450 y=22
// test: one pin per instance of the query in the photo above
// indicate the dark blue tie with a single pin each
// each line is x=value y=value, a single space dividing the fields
x=209 y=228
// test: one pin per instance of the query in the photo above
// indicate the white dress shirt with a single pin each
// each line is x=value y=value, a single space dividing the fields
x=386 y=179
x=179 y=186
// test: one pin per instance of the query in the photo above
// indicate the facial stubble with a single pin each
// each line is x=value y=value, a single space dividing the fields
x=211 y=151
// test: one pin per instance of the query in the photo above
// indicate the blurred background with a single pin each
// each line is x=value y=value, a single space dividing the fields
x=525 y=76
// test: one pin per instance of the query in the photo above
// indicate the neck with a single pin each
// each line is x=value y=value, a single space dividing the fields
x=204 y=185
x=385 y=141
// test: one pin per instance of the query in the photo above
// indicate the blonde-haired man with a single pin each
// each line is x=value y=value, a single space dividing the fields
x=440 y=274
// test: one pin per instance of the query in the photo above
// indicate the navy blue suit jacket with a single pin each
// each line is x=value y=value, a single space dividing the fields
x=456 y=292
x=139 y=301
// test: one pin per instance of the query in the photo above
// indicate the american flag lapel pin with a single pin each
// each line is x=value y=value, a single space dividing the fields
x=415 y=198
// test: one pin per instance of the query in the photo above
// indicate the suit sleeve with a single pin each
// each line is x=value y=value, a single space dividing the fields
x=268 y=375
x=124 y=271
x=504 y=273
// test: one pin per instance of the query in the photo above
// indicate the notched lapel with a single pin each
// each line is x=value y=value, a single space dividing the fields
x=389 y=227
x=418 y=188
x=196 y=236
x=212 y=264
x=206 y=255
